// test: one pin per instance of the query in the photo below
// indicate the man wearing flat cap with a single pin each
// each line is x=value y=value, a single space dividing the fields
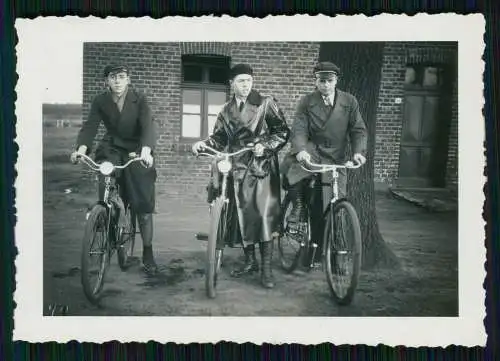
x=250 y=117
x=325 y=120
x=129 y=129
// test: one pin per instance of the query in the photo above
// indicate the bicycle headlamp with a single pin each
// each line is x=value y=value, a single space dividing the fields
x=106 y=168
x=224 y=166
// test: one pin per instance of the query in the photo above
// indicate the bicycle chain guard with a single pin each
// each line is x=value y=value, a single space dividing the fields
x=120 y=206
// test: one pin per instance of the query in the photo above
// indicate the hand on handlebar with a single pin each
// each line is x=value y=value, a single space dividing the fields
x=258 y=150
x=146 y=157
x=82 y=150
x=303 y=157
x=198 y=147
x=359 y=158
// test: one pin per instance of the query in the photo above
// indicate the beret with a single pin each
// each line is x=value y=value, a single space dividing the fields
x=115 y=68
x=326 y=69
x=240 y=69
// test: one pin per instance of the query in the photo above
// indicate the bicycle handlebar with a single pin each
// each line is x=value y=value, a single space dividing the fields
x=323 y=168
x=223 y=154
x=110 y=166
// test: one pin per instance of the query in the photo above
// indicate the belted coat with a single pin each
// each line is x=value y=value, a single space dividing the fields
x=256 y=180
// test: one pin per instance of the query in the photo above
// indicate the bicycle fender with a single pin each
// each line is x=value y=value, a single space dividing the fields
x=344 y=199
x=101 y=203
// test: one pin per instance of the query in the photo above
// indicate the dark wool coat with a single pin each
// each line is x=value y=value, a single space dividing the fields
x=126 y=131
x=324 y=132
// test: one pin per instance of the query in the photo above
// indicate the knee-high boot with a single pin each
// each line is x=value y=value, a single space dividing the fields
x=251 y=265
x=266 y=252
x=296 y=216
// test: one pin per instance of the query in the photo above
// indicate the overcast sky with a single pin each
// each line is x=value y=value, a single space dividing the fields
x=62 y=73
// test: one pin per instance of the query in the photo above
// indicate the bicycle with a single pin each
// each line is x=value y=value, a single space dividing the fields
x=115 y=221
x=219 y=219
x=334 y=251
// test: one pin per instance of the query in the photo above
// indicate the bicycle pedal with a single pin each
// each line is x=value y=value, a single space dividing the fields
x=316 y=266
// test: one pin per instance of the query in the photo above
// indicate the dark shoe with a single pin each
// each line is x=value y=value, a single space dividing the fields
x=266 y=252
x=150 y=268
x=251 y=264
x=148 y=262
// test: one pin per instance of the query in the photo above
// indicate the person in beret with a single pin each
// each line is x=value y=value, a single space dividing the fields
x=127 y=118
x=250 y=117
x=325 y=120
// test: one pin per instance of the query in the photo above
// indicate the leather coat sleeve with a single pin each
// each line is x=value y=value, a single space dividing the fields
x=357 y=130
x=89 y=128
x=218 y=140
x=300 y=128
x=148 y=131
x=278 y=131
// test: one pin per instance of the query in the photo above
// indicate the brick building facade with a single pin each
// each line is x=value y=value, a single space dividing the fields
x=398 y=58
x=185 y=88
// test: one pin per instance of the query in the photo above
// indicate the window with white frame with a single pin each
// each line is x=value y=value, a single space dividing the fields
x=205 y=89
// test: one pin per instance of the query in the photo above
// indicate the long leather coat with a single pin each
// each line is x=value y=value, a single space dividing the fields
x=256 y=180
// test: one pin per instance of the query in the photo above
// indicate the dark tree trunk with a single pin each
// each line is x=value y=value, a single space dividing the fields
x=361 y=64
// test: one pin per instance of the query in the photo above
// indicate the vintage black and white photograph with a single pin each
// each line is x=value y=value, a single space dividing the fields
x=253 y=178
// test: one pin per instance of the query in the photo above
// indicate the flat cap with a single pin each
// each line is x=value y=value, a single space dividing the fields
x=115 y=68
x=240 y=69
x=326 y=69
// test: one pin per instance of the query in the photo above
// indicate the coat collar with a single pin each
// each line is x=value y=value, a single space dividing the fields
x=317 y=98
x=131 y=96
x=254 y=98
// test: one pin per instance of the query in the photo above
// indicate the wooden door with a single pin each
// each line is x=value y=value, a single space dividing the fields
x=419 y=139
x=424 y=141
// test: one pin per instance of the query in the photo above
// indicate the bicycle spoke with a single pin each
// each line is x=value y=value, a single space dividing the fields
x=343 y=253
x=97 y=250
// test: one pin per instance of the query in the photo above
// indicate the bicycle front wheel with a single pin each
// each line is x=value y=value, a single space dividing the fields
x=216 y=239
x=342 y=242
x=127 y=241
x=95 y=247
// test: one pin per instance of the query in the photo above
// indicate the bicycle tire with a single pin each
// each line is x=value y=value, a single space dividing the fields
x=357 y=252
x=214 y=251
x=127 y=241
x=93 y=294
x=288 y=267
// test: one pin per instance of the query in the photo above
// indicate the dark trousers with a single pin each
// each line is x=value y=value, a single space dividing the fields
x=136 y=183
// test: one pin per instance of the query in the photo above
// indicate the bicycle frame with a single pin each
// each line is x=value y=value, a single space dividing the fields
x=333 y=168
x=107 y=169
x=224 y=165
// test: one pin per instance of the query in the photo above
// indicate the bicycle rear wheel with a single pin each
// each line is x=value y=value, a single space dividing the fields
x=95 y=244
x=342 y=242
x=216 y=239
x=126 y=243
x=290 y=247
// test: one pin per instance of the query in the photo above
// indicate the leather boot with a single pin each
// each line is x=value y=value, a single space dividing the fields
x=146 y=228
x=266 y=252
x=251 y=264
x=296 y=217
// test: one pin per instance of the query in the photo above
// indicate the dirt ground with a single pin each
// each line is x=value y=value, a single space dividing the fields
x=426 y=243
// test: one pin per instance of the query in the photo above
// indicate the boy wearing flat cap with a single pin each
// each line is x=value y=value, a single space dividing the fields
x=325 y=120
x=129 y=129
x=250 y=117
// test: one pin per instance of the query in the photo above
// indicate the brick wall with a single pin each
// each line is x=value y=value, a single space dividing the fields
x=452 y=161
x=281 y=69
x=389 y=114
